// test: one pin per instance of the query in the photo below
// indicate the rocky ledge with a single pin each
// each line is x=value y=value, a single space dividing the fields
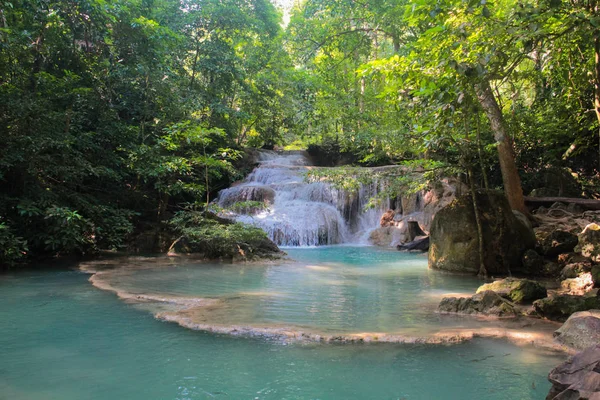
x=486 y=303
x=578 y=377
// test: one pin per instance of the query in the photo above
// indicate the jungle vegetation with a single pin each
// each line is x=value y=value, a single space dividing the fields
x=118 y=116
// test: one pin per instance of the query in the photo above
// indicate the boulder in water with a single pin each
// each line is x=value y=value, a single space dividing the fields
x=581 y=330
x=385 y=237
x=517 y=290
x=487 y=303
x=560 y=307
x=578 y=378
x=454 y=244
x=421 y=243
x=245 y=193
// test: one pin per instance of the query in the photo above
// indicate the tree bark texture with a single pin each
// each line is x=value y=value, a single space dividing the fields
x=597 y=85
x=508 y=167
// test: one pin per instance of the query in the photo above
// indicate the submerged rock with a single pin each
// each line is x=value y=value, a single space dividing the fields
x=454 y=244
x=577 y=378
x=517 y=290
x=560 y=307
x=483 y=303
x=581 y=330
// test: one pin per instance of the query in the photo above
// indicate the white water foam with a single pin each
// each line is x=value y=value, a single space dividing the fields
x=302 y=213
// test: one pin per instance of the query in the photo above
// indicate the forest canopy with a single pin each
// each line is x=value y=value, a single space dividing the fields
x=115 y=116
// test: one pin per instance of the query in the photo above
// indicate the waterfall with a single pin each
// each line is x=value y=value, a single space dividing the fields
x=300 y=213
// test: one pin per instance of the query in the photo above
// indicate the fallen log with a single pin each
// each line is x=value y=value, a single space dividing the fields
x=421 y=243
x=587 y=204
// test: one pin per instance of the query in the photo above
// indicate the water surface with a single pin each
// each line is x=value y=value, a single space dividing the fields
x=61 y=338
x=335 y=290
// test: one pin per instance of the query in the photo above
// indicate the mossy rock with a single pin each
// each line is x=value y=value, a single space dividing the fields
x=596 y=275
x=517 y=290
x=484 y=303
x=533 y=263
x=454 y=244
x=558 y=242
x=559 y=308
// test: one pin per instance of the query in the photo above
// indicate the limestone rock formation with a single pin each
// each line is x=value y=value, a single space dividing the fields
x=579 y=285
x=589 y=242
x=454 y=239
x=577 y=378
x=581 y=330
x=387 y=219
x=517 y=290
x=487 y=303
x=573 y=270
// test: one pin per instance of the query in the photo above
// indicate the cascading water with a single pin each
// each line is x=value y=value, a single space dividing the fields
x=301 y=213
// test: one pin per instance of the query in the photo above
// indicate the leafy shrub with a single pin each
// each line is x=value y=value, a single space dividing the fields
x=12 y=248
x=206 y=234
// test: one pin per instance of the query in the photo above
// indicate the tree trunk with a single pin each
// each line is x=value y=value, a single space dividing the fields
x=481 y=246
x=508 y=167
x=597 y=85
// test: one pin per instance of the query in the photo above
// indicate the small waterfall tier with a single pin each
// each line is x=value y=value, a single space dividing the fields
x=295 y=212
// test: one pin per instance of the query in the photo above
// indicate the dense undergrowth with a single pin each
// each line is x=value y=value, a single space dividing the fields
x=115 y=116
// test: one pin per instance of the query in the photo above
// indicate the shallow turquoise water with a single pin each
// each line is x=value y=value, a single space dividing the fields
x=337 y=289
x=61 y=338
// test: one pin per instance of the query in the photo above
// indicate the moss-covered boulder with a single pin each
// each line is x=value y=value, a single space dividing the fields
x=558 y=242
x=487 y=303
x=533 y=263
x=517 y=290
x=551 y=269
x=454 y=244
x=595 y=271
x=211 y=237
x=560 y=307
x=573 y=270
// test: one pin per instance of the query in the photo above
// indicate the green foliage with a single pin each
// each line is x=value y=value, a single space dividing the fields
x=113 y=114
x=13 y=248
x=215 y=239
x=116 y=114
x=395 y=81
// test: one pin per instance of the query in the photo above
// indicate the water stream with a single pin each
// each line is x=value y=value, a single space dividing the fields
x=63 y=339
x=307 y=327
x=302 y=213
